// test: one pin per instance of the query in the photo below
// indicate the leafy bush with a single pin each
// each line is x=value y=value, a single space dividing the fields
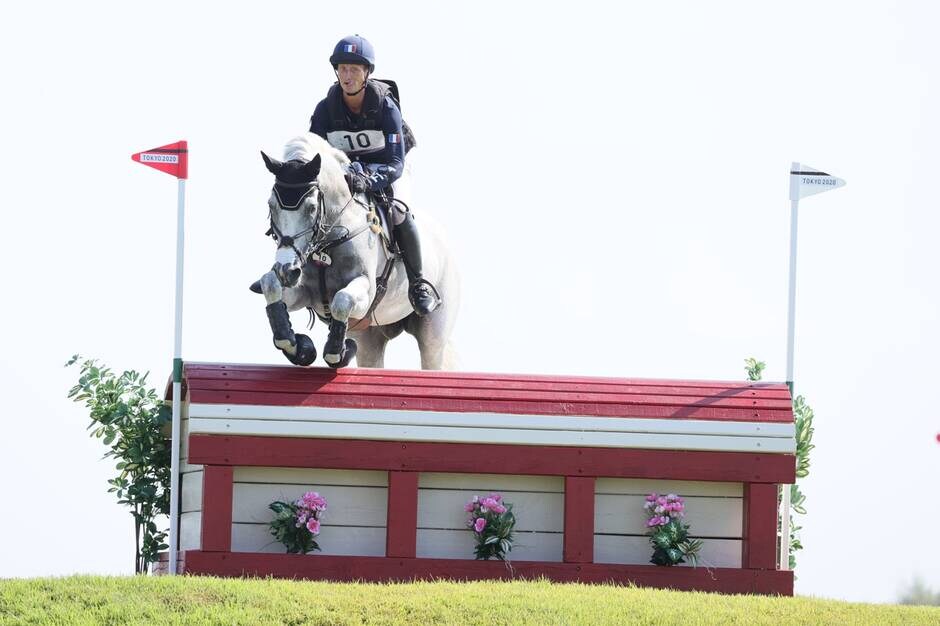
x=129 y=418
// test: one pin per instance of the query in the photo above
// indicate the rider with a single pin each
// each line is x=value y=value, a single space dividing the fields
x=360 y=117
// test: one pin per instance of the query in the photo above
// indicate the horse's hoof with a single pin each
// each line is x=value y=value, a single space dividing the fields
x=344 y=359
x=306 y=352
x=256 y=287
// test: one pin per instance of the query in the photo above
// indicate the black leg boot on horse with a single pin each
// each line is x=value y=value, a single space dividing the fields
x=304 y=352
x=422 y=294
x=339 y=349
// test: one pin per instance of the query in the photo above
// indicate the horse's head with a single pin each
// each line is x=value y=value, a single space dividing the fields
x=294 y=201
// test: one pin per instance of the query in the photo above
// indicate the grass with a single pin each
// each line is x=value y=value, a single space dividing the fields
x=205 y=600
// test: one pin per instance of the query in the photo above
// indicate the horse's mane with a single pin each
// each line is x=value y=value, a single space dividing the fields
x=332 y=161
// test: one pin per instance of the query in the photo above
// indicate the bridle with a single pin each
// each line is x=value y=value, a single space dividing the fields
x=318 y=244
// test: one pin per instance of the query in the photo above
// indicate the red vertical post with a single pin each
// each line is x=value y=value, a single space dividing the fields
x=760 y=526
x=401 y=528
x=579 y=519
x=217 y=508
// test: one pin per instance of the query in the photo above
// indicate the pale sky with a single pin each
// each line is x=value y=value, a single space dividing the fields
x=614 y=183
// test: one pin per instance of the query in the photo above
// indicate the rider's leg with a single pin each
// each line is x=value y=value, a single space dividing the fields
x=423 y=296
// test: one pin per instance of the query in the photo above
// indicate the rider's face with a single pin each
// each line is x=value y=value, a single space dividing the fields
x=351 y=76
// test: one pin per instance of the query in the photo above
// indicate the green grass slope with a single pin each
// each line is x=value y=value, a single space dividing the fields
x=204 y=600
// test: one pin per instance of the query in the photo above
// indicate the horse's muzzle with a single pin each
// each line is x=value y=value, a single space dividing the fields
x=288 y=274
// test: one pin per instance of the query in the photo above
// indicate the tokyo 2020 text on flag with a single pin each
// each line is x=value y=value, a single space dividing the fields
x=806 y=181
x=172 y=159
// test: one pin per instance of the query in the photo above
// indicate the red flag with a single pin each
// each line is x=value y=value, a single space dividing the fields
x=172 y=159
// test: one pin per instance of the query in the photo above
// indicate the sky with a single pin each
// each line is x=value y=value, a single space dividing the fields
x=613 y=179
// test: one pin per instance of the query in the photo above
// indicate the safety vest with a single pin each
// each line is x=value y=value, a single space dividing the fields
x=363 y=135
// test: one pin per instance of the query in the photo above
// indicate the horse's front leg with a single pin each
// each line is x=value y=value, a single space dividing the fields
x=298 y=348
x=350 y=301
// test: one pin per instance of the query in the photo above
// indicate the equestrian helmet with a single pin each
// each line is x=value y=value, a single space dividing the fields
x=353 y=49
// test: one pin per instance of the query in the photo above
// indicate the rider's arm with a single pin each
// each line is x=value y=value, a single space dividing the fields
x=319 y=120
x=392 y=157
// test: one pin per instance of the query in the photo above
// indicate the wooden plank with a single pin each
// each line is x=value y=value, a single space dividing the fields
x=579 y=519
x=217 y=508
x=378 y=385
x=458 y=544
x=722 y=398
x=346 y=505
x=708 y=517
x=636 y=550
x=760 y=526
x=482 y=484
x=419 y=403
x=196 y=369
x=190 y=530
x=191 y=492
x=333 y=540
x=501 y=436
x=310 y=476
x=503 y=459
x=443 y=509
x=402 y=514
x=381 y=569
x=492 y=420
x=643 y=487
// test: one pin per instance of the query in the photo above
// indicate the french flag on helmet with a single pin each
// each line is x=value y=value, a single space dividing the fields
x=353 y=49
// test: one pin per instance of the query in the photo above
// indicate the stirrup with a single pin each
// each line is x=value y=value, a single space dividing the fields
x=431 y=291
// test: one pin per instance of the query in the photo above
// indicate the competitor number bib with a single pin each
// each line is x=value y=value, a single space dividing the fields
x=357 y=142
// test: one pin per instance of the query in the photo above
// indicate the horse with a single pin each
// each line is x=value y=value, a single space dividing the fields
x=333 y=259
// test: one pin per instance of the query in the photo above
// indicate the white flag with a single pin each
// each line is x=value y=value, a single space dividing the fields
x=805 y=181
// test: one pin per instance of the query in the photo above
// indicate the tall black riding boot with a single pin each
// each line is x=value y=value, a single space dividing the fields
x=424 y=297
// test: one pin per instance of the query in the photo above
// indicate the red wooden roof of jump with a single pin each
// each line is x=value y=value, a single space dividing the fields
x=526 y=394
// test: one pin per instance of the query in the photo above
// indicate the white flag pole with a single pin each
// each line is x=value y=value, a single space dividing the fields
x=177 y=382
x=791 y=327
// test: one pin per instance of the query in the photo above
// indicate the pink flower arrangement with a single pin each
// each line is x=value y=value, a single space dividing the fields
x=296 y=523
x=492 y=522
x=663 y=509
x=669 y=536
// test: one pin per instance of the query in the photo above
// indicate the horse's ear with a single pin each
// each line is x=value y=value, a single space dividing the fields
x=273 y=165
x=312 y=169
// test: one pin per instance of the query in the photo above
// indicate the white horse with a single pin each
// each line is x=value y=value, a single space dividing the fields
x=329 y=258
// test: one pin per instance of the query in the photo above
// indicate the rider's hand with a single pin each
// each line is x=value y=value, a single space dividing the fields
x=358 y=183
x=377 y=181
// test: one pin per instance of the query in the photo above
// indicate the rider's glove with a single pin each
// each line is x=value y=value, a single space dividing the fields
x=377 y=181
x=358 y=183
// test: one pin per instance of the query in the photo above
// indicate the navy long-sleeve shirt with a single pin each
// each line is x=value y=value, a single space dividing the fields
x=381 y=149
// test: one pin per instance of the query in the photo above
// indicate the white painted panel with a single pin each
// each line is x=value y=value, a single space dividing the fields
x=440 y=508
x=333 y=540
x=458 y=544
x=629 y=550
x=635 y=486
x=190 y=531
x=191 y=492
x=493 y=420
x=358 y=506
x=395 y=432
x=482 y=484
x=708 y=517
x=304 y=476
